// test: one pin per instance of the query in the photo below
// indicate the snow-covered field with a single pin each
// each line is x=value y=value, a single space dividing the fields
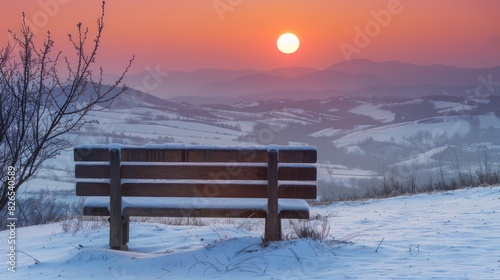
x=398 y=132
x=450 y=235
x=374 y=112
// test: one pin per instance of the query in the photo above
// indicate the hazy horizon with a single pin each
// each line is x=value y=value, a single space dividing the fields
x=139 y=71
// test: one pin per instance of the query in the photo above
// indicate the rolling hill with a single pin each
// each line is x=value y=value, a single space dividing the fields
x=357 y=77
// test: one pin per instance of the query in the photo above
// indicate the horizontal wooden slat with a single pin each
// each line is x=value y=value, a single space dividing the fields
x=194 y=172
x=92 y=189
x=216 y=190
x=197 y=154
x=194 y=190
x=180 y=212
x=304 y=191
x=91 y=154
x=297 y=191
x=193 y=155
x=214 y=172
x=216 y=155
x=298 y=156
x=201 y=212
x=94 y=171
x=303 y=173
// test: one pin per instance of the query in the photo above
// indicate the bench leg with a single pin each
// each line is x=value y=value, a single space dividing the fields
x=273 y=220
x=119 y=234
x=273 y=230
x=116 y=220
x=126 y=230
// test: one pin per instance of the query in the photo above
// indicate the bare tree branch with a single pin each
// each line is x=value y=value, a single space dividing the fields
x=39 y=106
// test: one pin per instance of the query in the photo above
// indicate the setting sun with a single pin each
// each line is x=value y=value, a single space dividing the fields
x=288 y=43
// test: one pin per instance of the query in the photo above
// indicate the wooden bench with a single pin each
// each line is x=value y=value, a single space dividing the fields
x=195 y=181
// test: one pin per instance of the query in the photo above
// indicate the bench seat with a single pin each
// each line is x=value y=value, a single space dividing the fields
x=198 y=207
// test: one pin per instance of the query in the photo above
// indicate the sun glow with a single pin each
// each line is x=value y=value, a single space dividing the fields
x=288 y=43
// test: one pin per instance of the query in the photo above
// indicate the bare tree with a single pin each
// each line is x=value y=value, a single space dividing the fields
x=39 y=105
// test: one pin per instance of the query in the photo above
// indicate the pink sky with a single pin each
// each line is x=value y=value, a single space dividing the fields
x=238 y=34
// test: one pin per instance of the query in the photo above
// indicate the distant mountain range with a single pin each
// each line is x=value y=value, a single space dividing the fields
x=355 y=78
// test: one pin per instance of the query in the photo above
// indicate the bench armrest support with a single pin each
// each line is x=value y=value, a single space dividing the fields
x=273 y=222
x=116 y=239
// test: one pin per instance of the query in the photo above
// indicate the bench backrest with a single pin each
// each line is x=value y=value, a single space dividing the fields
x=166 y=171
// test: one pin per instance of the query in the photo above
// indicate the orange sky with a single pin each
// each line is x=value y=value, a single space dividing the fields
x=193 y=34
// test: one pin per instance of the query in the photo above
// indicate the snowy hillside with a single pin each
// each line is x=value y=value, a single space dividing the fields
x=358 y=77
x=450 y=235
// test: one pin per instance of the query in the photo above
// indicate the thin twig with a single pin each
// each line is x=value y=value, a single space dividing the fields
x=75 y=246
x=376 y=250
x=36 y=261
x=312 y=249
x=295 y=254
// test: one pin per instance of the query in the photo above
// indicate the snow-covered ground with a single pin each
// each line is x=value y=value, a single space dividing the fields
x=374 y=112
x=399 y=132
x=450 y=235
